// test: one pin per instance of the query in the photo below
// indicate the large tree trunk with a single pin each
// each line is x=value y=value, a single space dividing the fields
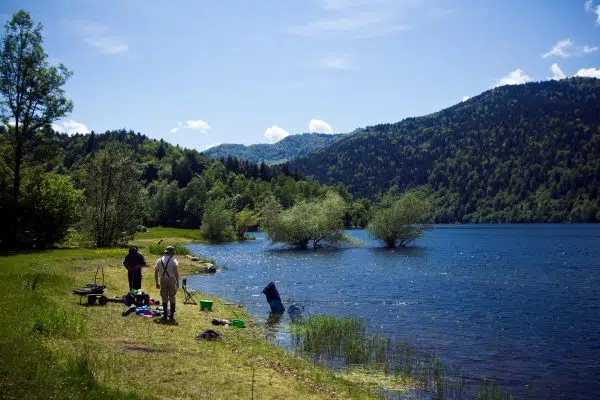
x=17 y=186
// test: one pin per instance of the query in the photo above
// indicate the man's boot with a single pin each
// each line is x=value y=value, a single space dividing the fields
x=172 y=315
x=165 y=310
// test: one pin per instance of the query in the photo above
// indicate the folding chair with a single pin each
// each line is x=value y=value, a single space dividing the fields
x=189 y=294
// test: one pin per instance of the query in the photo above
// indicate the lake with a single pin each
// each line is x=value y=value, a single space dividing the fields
x=518 y=303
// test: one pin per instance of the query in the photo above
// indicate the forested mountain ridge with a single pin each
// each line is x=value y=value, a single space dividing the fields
x=523 y=153
x=286 y=149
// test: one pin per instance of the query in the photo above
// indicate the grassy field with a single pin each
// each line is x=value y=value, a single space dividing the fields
x=50 y=347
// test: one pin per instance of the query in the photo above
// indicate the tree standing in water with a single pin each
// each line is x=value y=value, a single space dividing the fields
x=397 y=221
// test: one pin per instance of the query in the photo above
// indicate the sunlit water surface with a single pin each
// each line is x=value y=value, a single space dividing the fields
x=518 y=303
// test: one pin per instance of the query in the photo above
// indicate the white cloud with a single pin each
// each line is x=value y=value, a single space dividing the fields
x=588 y=73
x=194 y=124
x=99 y=36
x=515 y=77
x=590 y=7
x=557 y=73
x=108 y=44
x=359 y=18
x=465 y=98
x=565 y=48
x=319 y=126
x=70 y=127
x=559 y=49
x=335 y=62
x=363 y=25
x=274 y=134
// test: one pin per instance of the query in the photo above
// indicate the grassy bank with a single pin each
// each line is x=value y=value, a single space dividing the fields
x=51 y=347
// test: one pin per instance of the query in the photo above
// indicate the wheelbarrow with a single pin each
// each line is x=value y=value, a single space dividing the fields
x=93 y=292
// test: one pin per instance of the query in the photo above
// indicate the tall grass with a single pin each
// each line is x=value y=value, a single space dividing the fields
x=342 y=343
x=160 y=249
x=51 y=321
x=491 y=391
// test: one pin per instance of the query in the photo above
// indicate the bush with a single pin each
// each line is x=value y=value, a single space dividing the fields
x=159 y=249
x=398 y=221
x=50 y=206
x=217 y=220
x=318 y=221
x=245 y=220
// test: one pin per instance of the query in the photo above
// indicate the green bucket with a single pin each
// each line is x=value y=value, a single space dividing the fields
x=206 y=305
x=238 y=323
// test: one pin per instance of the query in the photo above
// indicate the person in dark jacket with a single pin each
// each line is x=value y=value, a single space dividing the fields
x=134 y=261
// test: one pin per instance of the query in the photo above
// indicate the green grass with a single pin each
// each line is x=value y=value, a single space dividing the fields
x=51 y=347
x=160 y=249
x=161 y=233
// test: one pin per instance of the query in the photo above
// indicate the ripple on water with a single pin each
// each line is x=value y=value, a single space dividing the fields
x=515 y=302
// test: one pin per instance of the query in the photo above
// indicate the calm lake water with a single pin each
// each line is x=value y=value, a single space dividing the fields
x=518 y=303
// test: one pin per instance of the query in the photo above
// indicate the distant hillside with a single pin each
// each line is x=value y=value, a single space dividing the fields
x=286 y=149
x=512 y=154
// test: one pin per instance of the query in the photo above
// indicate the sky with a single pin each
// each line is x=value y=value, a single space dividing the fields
x=204 y=72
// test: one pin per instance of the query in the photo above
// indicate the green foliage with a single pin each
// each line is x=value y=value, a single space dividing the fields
x=217 y=220
x=115 y=198
x=245 y=220
x=398 y=221
x=53 y=205
x=318 y=221
x=522 y=153
x=31 y=97
x=286 y=149
x=159 y=249
x=52 y=321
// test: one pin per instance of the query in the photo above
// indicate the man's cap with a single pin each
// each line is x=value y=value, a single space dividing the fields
x=170 y=249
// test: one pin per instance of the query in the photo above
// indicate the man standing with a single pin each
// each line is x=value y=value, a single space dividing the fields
x=134 y=261
x=166 y=269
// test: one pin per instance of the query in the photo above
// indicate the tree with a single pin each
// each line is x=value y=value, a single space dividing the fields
x=318 y=221
x=54 y=206
x=244 y=220
x=217 y=219
x=398 y=221
x=115 y=203
x=31 y=91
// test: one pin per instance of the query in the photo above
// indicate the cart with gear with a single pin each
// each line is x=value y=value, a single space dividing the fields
x=93 y=292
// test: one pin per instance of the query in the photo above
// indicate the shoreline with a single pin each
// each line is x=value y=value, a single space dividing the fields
x=53 y=347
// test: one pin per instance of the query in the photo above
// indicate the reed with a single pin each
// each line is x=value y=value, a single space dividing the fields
x=345 y=344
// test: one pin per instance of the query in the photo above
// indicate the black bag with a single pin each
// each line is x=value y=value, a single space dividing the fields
x=138 y=300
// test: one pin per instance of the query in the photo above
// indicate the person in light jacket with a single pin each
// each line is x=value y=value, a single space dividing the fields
x=166 y=271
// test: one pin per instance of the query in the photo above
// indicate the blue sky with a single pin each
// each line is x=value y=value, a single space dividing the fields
x=202 y=72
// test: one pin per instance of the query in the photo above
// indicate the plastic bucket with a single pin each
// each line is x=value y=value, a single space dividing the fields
x=238 y=323
x=206 y=305
x=270 y=291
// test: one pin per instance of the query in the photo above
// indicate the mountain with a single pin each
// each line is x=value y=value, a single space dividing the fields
x=523 y=153
x=286 y=149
